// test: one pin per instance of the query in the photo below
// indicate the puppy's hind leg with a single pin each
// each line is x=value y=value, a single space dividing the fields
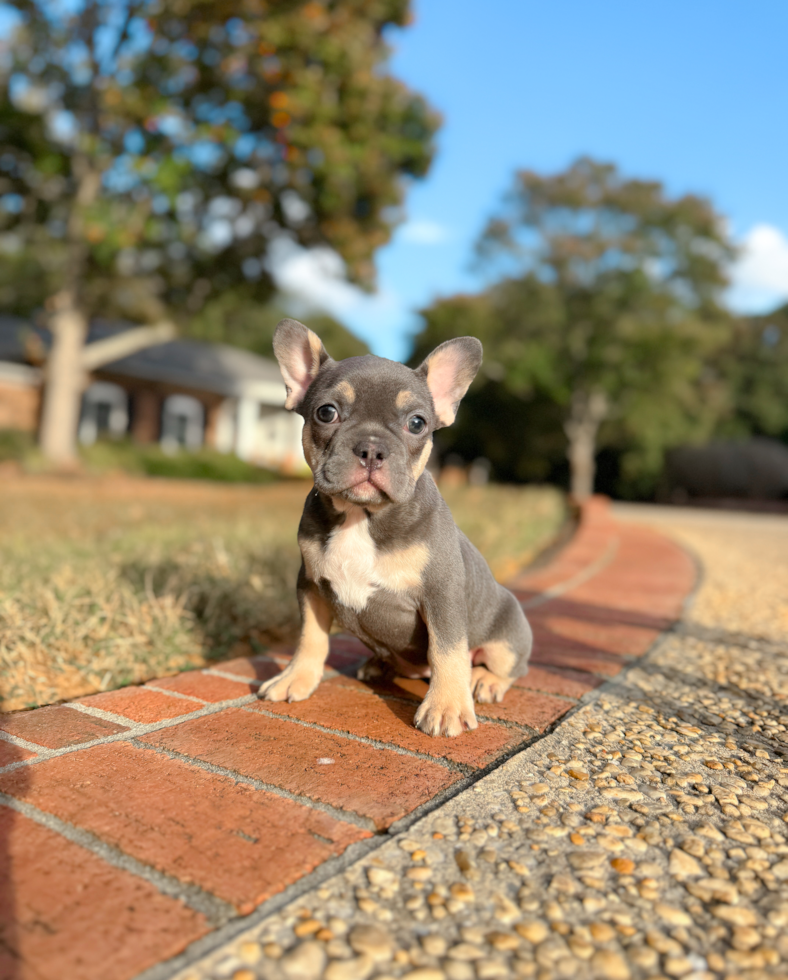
x=492 y=673
x=497 y=663
x=376 y=668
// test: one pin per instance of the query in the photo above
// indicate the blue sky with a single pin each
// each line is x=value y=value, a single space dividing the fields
x=693 y=94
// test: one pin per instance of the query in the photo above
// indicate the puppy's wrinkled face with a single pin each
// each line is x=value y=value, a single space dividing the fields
x=368 y=421
x=368 y=426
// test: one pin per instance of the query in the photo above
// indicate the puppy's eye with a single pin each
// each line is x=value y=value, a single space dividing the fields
x=416 y=425
x=326 y=413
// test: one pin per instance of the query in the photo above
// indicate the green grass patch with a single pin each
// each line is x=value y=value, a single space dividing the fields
x=125 y=456
x=151 y=460
x=113 y=580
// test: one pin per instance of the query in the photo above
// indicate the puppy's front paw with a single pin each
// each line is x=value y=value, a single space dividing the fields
x=293 y=684
x=442 y=715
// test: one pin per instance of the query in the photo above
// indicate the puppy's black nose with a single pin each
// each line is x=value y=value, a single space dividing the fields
x=371 y=453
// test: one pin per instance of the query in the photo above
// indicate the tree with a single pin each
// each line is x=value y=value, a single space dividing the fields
x=151 y=152
x=754 y=363
x=607 y=302
x=235 y=318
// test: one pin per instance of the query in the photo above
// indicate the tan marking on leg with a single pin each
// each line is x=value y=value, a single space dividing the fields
x=492 y=676
x=300 y=678
x=348 y=392
x=447 y=708
x=487 y=687
x=498 y=656
x=402 y=570
x=424 y=457
x=403 y=398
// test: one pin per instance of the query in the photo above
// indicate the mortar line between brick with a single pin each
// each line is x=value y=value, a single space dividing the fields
x=572 y=583
x=172 y=694
x=216 y=910
x=22 y=743
x=462 y=767
x=226 y=675
x=102 y=715
x=328 y=672
x=133 y=730
x=347 y=816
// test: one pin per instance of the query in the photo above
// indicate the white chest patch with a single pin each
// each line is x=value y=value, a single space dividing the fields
x=354 y=566
x=349 y=561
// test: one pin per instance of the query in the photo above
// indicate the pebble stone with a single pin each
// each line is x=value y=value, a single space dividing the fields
x=645 y=838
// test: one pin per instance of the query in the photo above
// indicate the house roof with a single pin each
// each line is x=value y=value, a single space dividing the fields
x=208 y=367
x=217 y=368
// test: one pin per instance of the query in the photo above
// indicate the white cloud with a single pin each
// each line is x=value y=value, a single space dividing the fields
x=760 y=274
x=421 y=231
x=313 y=280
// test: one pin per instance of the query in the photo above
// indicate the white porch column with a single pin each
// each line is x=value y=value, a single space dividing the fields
x=246 y=427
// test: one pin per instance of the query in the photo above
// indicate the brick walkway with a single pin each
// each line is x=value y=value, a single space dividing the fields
x=137 y=821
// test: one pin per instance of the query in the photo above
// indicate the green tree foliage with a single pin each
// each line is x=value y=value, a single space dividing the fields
x=234 y=318
x=153 y=151
x=755 y=365
x=606 y=306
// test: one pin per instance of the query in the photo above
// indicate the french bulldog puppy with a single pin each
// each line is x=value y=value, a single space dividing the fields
x=382 y=555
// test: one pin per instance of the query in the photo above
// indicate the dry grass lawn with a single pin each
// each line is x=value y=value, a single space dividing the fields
x=107 y=582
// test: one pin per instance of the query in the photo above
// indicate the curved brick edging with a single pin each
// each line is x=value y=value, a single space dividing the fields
x=143 y=818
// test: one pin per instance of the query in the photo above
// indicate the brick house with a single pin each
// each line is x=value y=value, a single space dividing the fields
x=182 y=394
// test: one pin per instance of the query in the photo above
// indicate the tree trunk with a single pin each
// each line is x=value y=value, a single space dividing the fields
x=120 y=345
x=64 y=381
x=64 y=377
x=586 y=415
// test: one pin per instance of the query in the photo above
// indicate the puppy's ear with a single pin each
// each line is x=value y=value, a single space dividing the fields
x=449 y=370
x=301 y=355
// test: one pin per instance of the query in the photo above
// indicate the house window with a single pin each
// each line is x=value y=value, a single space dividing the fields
x=182 y=423
x=105 y=412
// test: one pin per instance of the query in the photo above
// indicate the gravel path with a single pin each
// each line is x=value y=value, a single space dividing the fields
x=647 y=837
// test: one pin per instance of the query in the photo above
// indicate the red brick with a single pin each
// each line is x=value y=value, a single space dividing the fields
x=553 y=653
x=65 y=913
x=250 y=668
x=598 y=610
x=374 y=782
x=538 y=711
x=360 y=712
x=619 y=638
x=13 y=753
x=141 y=704
x=520 y=706
x=207 y=687
x=57 y=726
x=562 y=681
x=398 y=687
x=239 y=843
